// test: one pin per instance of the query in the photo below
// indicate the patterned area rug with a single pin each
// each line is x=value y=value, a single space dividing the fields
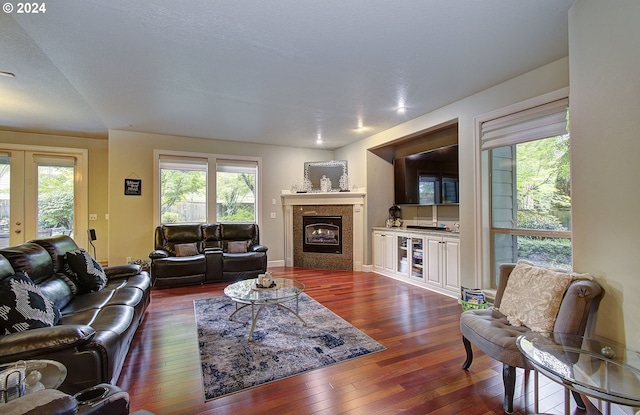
x=282 y=346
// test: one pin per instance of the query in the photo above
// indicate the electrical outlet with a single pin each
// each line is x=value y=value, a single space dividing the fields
x=272 y=215
x=93 y=216
x=128 y=259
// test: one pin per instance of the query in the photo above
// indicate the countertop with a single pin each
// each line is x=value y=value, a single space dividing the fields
x=404 y=229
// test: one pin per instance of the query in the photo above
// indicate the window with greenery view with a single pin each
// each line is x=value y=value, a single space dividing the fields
x=186 y=189
x=55 y=200
x=183 y=190
x=236 y=191
x=530 y=191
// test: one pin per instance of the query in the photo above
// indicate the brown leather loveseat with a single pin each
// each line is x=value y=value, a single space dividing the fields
x=198 y=253
x=93 y=328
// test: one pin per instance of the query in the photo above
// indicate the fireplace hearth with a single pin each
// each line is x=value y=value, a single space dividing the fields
x=322 y=234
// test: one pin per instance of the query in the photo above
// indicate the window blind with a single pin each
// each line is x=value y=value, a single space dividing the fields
x=237 y=166
x=548 y=120
x=183 y=163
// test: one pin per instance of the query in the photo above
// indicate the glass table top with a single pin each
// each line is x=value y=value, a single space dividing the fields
x=596 y=367
x=246 y=291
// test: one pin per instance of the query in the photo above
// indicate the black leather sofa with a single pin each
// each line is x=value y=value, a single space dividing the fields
x=95 y=329
x=218 y=252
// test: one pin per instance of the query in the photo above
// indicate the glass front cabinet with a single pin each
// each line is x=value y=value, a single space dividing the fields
x=410 y=256
x=424 y=259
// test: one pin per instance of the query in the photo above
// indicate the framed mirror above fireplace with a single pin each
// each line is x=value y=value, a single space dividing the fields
x=333 y=170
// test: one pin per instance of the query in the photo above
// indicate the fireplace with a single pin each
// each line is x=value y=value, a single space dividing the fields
x=322 y=234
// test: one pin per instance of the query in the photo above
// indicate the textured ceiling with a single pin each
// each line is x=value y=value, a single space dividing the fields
x=265 y=71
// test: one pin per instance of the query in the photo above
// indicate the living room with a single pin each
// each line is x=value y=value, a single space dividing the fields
x=600 y=72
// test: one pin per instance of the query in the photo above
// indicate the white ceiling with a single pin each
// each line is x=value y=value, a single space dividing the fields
x=264 y=71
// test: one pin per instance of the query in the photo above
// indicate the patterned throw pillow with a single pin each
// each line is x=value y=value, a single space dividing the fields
x=86 y=270
x=533 y=295
x=23 y=306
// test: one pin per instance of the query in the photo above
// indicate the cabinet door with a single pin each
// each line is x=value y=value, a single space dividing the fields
x=389 y=252
x=417 y=258
x=451 y=262
x=403 y=244
x=378 y=251
x=432 y=265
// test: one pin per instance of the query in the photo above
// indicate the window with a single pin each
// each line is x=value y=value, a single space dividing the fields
x=183 y=189
x=236 y=190
x=529 y=186
x=188 y=183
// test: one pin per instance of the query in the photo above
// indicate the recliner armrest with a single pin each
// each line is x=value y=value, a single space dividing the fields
x=32 y=343
x=159 y=253
x=122 y=271
x=42 y=402
x=258 y=248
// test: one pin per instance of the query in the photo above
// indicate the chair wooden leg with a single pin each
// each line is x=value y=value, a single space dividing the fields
x=467 y=348
x=578 y=398
x=509 y=380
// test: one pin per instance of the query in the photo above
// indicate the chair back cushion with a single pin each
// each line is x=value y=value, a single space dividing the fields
x=31 y=259
x=171 y=235
x=244 y=232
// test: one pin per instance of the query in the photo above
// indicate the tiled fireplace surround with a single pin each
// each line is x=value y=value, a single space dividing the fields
x=349 y=205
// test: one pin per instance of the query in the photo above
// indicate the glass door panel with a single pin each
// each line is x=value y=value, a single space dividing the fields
x=402 y=257
x=417 y=270
x=55 y=200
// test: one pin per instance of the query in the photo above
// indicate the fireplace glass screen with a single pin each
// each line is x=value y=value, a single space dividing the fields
x=322 y=234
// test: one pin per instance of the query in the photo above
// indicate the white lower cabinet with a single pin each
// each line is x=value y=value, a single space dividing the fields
x=383 y=252
x=443 y=269
x=423 y=259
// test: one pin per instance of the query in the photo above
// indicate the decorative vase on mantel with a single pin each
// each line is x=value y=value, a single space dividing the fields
x=325 y=184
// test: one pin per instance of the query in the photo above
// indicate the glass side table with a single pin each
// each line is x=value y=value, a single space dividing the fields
x=594 y=367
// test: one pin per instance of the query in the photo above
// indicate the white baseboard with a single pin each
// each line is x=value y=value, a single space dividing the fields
x=278 y=263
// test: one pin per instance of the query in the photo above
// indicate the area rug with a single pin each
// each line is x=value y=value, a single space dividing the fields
x=282 y=346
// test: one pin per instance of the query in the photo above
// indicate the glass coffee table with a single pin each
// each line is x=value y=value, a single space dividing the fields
x=246 y=294
x=595 y=367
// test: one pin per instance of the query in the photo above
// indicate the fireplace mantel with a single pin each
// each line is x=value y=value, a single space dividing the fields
x=354 y=198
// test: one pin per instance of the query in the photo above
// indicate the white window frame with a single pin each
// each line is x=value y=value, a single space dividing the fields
x=482 y=186
x=211 y=180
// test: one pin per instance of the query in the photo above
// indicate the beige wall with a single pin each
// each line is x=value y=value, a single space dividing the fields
x=131 y=217
x=379 y=173
x=98 y=164
x=605 y=146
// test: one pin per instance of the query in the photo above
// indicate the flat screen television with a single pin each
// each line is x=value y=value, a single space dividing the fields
x=429 y=178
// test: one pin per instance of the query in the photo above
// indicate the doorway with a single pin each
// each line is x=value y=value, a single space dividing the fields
x=43 y=192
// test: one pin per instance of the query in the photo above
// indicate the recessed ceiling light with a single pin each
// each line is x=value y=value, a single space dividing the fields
x=401 y=110
x=8 y=74
x=319 y=138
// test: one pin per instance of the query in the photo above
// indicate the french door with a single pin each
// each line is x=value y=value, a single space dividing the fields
x=43 y=192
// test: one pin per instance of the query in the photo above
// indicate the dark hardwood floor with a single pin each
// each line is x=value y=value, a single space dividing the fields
x=418 y=373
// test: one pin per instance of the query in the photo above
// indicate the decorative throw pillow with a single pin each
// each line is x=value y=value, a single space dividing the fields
x=186 y=249
x=237 y=247
x=70 y=278
x=86 y=270
x=23 y=306
x=533 y=295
